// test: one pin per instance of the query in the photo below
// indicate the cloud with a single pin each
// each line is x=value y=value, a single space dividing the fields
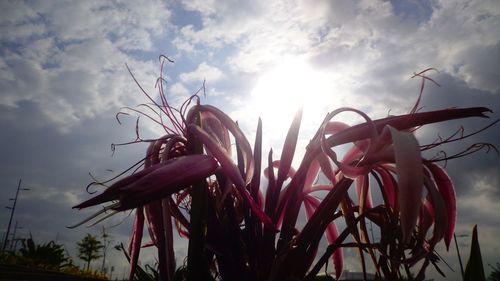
x=201 y=73
x=69 y=57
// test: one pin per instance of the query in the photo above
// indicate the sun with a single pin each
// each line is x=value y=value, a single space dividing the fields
x=285 y=88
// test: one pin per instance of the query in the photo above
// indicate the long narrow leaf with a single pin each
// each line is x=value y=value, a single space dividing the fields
x=474 y=271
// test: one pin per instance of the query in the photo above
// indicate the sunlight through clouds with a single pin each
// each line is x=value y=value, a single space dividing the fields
x=291 y=85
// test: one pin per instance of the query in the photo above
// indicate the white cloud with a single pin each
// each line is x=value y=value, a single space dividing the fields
x=178 y=89
x=77 y=68
x=202 y=72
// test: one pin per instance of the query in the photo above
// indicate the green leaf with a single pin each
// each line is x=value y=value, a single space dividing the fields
x=474 y=271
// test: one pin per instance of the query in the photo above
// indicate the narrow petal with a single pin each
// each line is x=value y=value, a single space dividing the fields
x=312 y=175
x=231 y=171
x=240 y=138
x=254 y=186
x=410 y=179
x=214 y=127
x=289 y=149
x=440 y=214
x=402 y=122
x=388 y=185
x=277 y=164
x=135 y=243
x=311 y=204
x=364 y=193
x=174 y=175
x=445 y=186
x=112 y=193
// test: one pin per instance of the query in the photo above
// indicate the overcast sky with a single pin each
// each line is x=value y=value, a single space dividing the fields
x=63 y=79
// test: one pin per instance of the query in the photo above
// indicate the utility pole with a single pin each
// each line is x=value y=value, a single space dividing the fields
x=12 y=210
x=13 y=243
x=105 y=236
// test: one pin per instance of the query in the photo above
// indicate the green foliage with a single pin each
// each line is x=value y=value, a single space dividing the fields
x=49 y=255
x=474 y=271
x=495 y=274
x=88 y=249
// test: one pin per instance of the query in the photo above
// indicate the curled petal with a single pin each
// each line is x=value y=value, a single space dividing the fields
x=240 y=138
x=347 y=169
x=231 y=171
x=214 y=128
x=402 y=122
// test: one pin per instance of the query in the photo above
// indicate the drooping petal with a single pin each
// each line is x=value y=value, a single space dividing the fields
x=426 y=219
x=440 y=214
x=214 y=128
x=135 y=243
x=230 y=170
x=410 y=179
x=388 y=185
x=364 y=193
x=445 y=186
x=326 y=167
x=240 y=138
x=311 y=204
x=169 y=239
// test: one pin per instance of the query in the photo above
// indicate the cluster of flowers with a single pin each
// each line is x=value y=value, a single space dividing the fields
x=203 y=178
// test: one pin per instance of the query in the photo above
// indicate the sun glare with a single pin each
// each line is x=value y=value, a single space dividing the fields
x=291 y=85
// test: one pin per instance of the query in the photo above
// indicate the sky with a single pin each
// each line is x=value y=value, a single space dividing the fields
x=63 y=77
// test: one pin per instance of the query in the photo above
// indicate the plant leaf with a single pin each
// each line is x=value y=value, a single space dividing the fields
x=474 y=271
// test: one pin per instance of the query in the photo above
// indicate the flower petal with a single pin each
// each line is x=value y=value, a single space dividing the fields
x=240 y=138
x=174 y=175
x=231 y=171
x=289 y=149
x=135 y=243
x=445 y=187
x=410 y=179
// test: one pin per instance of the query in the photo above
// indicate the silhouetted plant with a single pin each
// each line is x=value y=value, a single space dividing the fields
x=89 y=248
x=495 y=273
x=49 y=255
x=204 y=175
